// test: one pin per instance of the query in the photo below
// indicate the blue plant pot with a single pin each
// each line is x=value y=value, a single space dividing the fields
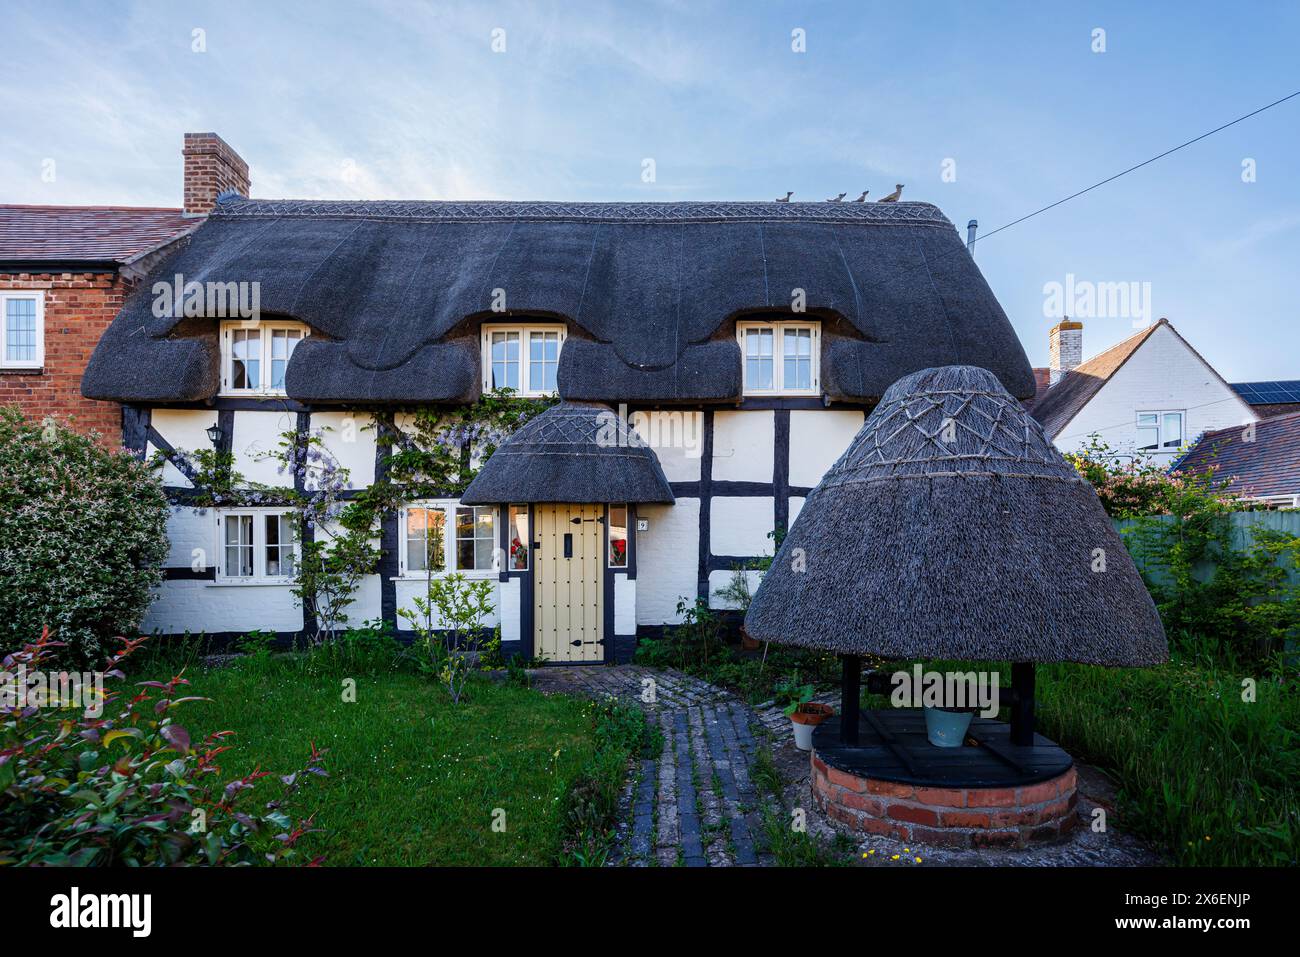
x=946 y=729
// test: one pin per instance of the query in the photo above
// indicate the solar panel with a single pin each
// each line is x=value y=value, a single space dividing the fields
x=1269 y=393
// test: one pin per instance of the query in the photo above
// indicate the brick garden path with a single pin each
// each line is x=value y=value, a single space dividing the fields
x=696 y=804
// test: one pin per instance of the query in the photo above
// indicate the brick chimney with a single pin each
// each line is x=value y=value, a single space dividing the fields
x=1065 y=343
x=211 y=168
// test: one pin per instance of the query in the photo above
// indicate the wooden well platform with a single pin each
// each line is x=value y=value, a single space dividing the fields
x=987 y=793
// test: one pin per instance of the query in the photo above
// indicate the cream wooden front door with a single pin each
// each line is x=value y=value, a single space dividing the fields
x=568 y=588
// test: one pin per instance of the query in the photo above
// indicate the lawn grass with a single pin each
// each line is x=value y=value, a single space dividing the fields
x=1207 y=777
x=414 y=780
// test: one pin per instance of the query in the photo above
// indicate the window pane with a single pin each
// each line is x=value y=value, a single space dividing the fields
x=618 y=536
x=246 y=358
x=1146 y=439
x=505 y=360
x=758 y=358
x=239 y=546
x=416 y=532
x=279 y=546
x=519 y=544
x=474 y=539
x=543 y=356
x=1172 y=430
x=20 y=330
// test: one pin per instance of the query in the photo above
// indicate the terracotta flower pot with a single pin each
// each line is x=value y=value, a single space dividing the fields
x=748 y=643
x=805 y=720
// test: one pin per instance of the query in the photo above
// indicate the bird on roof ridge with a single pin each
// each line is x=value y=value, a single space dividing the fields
x=837 y=199
x=863 y=197
x=894 y=196
x=787 y=197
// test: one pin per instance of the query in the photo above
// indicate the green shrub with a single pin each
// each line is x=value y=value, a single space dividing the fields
x=129 y=787
x=82 y=537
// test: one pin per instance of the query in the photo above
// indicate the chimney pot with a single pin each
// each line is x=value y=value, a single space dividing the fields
x=212 y=168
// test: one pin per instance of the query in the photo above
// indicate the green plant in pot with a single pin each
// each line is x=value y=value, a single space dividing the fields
x=804 y=713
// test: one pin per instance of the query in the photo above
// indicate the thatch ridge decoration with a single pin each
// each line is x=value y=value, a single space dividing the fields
x=953 y=528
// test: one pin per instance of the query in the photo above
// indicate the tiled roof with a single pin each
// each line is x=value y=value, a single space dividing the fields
x=1267 y=466
x=100 y=234
x=1062 y=402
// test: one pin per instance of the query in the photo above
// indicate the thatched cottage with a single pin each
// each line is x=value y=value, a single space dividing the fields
x=744 y=342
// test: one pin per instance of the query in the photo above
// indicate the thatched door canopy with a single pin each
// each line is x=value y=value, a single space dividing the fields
x=952 y=528
x=573 y=452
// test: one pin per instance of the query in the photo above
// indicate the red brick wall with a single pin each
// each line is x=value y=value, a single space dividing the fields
x=211 y=168
x=78 y=308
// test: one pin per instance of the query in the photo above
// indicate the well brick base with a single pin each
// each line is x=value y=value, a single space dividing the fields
x=947 y=817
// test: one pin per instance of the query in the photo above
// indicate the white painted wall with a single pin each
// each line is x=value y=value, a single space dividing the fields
x=255 y=435
x=1163 y=374
x=624 y=604
x=190 y=531
x=510 y=608
x=408 y=589
x=722 y=578
x=667 y=558
x=677 y=437
x=740 y=526
x=743 y=444
x=796 y=506
x=817 y=438
x=184 y=429
x=350 y=438
x=201 y=606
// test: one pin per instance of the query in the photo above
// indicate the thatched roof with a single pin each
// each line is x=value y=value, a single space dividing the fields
x=572 y=452
x=952 y=528
x=395 y=293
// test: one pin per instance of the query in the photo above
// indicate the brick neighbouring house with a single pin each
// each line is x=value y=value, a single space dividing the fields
x=66 y=271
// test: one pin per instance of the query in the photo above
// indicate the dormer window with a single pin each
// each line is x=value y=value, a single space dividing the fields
x=255 y=355
x=780 y=358
x=524 y=359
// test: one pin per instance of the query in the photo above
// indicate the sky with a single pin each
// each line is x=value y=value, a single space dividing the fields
x=990 y=110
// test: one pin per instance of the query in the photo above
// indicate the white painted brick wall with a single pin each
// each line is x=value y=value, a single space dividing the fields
x=740 y=526
x=667 y=560
x=624 y=605
x=1164 y=374
x=817 y=438
x=408 y=589
x=200 y=606
x=186 y=531
x=509 y=592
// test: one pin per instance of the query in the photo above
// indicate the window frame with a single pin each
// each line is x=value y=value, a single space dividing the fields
x=1160 y=414
x=609 y=536
x=525 y=331
x=38 y=362
x=779 y=329
x=267 y=327
x=259 y=544
x=448 y=507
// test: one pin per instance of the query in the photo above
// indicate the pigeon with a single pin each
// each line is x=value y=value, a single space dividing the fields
x=863 y=197
x=786 y=199
x=893 y=197
x=837 y=199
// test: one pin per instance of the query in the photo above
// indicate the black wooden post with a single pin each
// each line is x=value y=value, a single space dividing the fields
x=850 y=691
x=1022 y=703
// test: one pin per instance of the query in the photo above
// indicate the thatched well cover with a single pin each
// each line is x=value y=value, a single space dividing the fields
x=572 y=452
x=952 y=528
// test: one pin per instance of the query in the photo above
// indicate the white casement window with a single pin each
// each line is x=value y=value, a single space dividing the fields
x=525 y=359
x=255 y=355
x=445 y=536
x=256 y=546
x=780 y=358
x=1160 y=431
x=22 y=330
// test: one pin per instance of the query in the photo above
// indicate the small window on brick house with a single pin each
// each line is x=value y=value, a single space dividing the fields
x=22 y=330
